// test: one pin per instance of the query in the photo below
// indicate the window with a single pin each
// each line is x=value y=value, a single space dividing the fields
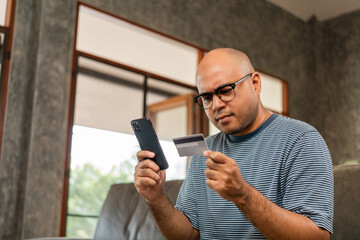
x=122 y=72
x=120 y=41
x=274 y=94
x=3 y=8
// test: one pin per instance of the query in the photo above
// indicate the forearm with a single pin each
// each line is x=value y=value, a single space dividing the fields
x=171 y=222
x=275 y=222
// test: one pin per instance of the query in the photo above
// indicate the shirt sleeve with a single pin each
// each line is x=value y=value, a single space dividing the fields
x=309 y=186
x=186 y=201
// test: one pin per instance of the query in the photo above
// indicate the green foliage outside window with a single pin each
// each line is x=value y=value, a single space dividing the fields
x=87 y=192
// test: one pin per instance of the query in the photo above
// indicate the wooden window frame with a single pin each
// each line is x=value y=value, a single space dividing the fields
x=8 y=29
x=285 y=94
x=70 y=120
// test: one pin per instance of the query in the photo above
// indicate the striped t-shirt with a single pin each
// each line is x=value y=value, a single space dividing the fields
x=285 y=159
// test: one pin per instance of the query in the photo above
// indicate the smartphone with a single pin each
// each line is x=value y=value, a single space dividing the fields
x=148 y=140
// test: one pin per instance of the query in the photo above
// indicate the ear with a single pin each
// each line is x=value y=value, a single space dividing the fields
x=256 y=83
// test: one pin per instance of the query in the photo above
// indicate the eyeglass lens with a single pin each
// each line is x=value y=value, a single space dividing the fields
x=225 y=93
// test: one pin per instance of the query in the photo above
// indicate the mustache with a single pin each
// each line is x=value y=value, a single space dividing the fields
x=221 y=113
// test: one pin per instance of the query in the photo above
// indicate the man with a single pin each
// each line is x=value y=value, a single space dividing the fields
x=265 y=176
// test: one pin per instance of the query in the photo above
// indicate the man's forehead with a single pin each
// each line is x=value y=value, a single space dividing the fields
x=217 y=77
x=210 y=85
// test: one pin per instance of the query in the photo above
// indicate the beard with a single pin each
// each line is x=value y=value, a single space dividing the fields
x=242 y=122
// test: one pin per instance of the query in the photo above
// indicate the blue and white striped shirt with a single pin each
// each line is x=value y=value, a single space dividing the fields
x=285 y=159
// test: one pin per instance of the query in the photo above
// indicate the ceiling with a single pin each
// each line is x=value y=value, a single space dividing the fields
x=322 y=9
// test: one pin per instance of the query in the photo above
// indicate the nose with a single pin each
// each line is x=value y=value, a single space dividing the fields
x=217 y=102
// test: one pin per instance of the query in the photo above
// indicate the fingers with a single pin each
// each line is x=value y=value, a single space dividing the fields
x=215 y=160
x=211 y=164
x=224 y=176
x=144 y=158
x=213 y=184
x=217 y=157
x=211 y=174
x=220 y=167
x=217 y=176
x=146 y=178
x=141 y=155
x=146 y=171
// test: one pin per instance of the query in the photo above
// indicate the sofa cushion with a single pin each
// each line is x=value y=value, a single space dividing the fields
x=125 y=214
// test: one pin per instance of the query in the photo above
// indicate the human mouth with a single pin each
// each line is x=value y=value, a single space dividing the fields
x=223 y=118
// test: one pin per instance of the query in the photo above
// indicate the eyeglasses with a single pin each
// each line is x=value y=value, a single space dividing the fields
x=226 y=93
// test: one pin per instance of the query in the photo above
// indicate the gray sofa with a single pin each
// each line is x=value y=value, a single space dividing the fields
x=125 y=214
x=347 y=202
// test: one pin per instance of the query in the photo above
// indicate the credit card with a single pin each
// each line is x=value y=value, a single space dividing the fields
x=190 y=145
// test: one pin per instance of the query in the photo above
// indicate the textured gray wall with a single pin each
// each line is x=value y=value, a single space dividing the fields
x=32 y=161
x=49 y=119
x=16 y=136
x=337 y=109
x=319 y=60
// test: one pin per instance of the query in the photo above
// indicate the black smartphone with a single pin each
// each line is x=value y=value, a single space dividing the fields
x=148 y=140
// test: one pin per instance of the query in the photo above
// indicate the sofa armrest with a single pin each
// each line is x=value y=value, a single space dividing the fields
x=346 y=201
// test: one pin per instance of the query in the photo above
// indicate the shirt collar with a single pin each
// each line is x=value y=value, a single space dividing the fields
x=241 y=138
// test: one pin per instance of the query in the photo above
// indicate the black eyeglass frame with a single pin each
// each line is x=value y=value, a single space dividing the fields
x=232 y=85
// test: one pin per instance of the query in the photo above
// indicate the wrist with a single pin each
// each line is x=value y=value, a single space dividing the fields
x=157 y=200
x=245 y=196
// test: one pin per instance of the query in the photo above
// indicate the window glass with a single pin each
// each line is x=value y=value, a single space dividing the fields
x=2 y=51
x=271 y=93
x=107 y=99
x=103 y=148
x=81 y=226
x=129 y=44
x=3 y=5
x=170 y=122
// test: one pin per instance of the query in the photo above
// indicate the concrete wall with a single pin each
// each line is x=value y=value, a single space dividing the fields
x=319 y=60
x=32 y=156
x=336 y=112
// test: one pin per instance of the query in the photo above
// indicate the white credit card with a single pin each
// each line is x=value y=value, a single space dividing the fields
x=190 y=145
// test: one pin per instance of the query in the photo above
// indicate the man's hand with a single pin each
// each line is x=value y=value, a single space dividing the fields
x=148 y=178
x=224 y=177
x=149 y=181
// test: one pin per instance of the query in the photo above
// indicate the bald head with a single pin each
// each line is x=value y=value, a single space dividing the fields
x=225 y=57
x=223 y=67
